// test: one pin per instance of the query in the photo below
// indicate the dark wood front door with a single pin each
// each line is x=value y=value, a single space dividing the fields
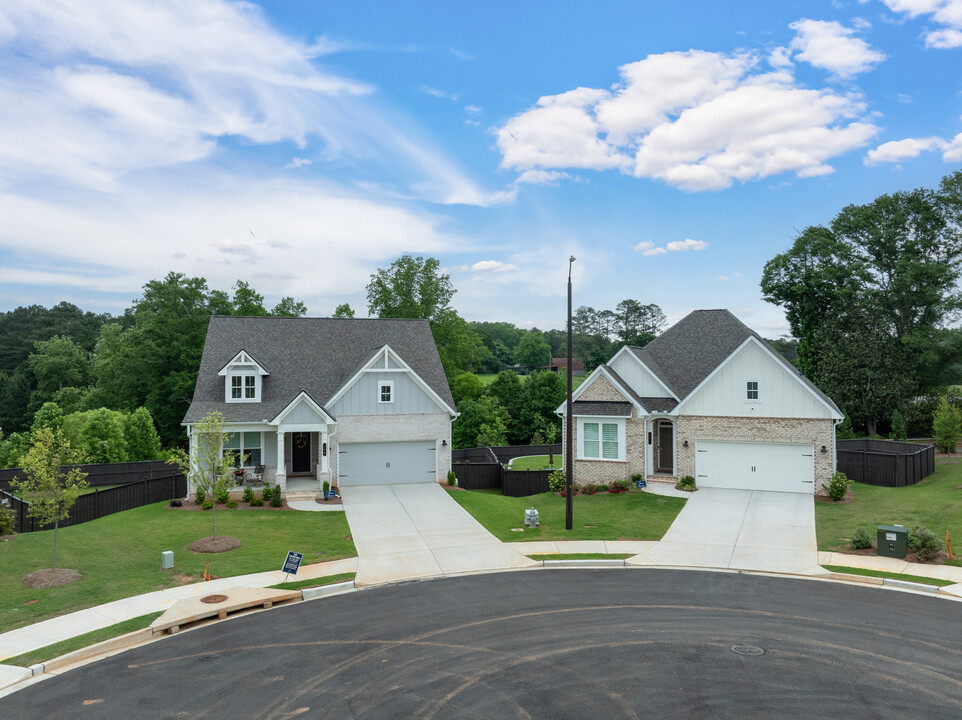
x=666 y=447
x=300 y=452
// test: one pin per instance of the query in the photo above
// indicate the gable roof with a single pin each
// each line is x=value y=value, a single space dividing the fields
x=312 y=355
x=690 y=350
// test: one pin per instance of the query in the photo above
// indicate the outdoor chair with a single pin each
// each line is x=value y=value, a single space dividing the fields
x=258 y=475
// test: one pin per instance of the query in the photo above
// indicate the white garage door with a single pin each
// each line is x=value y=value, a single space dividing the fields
x=386 y=462
x=755 y=466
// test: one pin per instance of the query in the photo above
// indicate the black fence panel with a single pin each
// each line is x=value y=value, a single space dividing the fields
x=106 y=473
x=479 y=476
x=522 y=483
x=502 y=454
x=474 y=455
x=884 y=462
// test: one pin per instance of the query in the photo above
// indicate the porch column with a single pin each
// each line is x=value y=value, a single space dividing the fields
x=280 y=476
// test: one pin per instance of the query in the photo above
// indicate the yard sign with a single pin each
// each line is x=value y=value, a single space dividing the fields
x=293 y=562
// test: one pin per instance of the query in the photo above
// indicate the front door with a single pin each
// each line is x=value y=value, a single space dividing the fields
x=666 y=446
x=300 y=452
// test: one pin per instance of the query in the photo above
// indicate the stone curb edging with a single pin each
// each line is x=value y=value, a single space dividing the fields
x=549 y=564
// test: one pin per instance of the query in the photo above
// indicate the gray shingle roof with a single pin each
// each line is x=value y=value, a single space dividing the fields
x=687 y=352
x=659 y=404
x=592 y=407
x=316 y=355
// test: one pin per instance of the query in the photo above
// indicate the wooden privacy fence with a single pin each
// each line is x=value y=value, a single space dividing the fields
x=885 y=462
x=100 y=503
x=502 y=454
x=493 y=476
x=105 y=473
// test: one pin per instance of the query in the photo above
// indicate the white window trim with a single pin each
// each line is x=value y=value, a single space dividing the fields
x=758 y=384
x=383 y=384
x=622 y=450
x=243 y=374
x=240 y=435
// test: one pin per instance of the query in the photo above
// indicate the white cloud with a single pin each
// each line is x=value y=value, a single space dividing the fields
x=297 y=162
x=493 y=266
x=945 y=13
x=434 y=92
x=472 y=109
x=833 y=47
x=952 y=152
x=646 y=247
x=780 y=58
x=722 y=277
x=542 y=177
x=904 y=98
x=695 y=120
x=898 y=150
x=686 y=245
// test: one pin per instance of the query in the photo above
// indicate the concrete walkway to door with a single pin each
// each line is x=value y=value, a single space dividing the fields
x=740 y=529
x=416 y=530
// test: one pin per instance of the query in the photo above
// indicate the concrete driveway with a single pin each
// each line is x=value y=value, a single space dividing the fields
x=740 y=529
x=415 y=531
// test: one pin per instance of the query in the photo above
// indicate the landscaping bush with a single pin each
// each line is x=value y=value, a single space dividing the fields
x=623 y=485
x=686 y=483
x=589 y=488
x=256 y=502
x=837 y=487
x=207 y=505
x=6 y=521
x=221 y=493
x=636 y=478
x=326 y=486
x=199 y=495
x=557 y=480
x=276 y=496
x=924 y=542
x=947 y=427
x=861 y=540
x=232 y=504
x=248 y=494
x=266 y=493
x=451 y=477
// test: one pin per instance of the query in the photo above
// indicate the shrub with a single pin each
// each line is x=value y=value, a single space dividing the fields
x=946 y=426
x=557 y=480
x=636 y=478
x=861 y=540
x=257 y=502
x=221 y=493
x=207 y=505
x=898 y=427
x=6 y=521
x=589 y=488
x=232 y=504
x=276 y=496
x=623 y=485
x=924 y=542
x=837 y=487
x=452 y=478
x=248 y=494
x=602 y=487
x=326 y=486
x=686 y=483
x=199 y=495
x=267 y=493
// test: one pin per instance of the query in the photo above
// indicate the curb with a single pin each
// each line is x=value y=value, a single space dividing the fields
x=907 y=585
x=554 y=564
x=325 y=590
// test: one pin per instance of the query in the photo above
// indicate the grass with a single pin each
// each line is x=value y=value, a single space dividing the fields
x=81 y=641
x=316 y=582
x=935 y=503
x=627 y=516
x=581 y=556
x=890 y=575
x=488 y=378
x=95 y=488
x=119 y=555
x=535 y=462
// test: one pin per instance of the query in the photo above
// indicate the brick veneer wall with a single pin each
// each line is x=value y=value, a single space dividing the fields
x=752 y=429
x=601 y=390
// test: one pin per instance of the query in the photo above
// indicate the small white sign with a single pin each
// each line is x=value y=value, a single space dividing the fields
x=889 y=536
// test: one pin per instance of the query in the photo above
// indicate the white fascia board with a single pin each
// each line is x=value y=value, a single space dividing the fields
x=562 y=409
x=237 y=361
x=384 y=352
x=302 y=396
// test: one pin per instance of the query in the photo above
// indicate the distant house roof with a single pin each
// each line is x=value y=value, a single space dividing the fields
x=314 y=355
x=687 y=352
x=558 y=363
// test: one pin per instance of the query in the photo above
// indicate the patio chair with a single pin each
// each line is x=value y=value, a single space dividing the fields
x=257 y=476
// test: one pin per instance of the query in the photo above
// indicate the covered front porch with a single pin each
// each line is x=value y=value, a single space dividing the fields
x=304 y=433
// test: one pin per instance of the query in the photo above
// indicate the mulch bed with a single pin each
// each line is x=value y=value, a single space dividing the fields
x=191 y=506
x=910 y=556
x=849 y=496
x=49 y=578
x=222 y=543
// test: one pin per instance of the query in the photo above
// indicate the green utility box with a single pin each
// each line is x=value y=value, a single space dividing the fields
x=893 y=541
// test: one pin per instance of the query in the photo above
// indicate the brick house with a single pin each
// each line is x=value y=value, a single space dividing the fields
x=708 y=398
x=350 y=401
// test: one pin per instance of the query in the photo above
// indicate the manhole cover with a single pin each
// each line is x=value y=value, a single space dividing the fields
x=747 y=650
x=221 y=598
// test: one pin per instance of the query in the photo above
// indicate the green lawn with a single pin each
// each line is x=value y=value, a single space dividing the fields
x=627 y=516
x=316 y=582
x=865 y=572
x=535 y=462
x=935 y=503
x=488 y=378
x=580 y=556
x=119 y=555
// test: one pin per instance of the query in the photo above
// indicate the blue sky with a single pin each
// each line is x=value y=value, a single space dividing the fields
x=672 y=148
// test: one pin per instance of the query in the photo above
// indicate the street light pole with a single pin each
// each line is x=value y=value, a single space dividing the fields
x=569 y=463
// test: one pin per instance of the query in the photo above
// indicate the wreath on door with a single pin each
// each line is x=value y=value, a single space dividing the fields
x=301 y=443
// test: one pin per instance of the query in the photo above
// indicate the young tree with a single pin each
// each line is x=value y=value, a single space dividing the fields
x=898 y=427
x=343 y=310
x=50 y=487
x=143 y=442
x=946 y=426
x=206 y=466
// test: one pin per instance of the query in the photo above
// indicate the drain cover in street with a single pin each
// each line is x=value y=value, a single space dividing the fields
x=216 y=599
x=747 y=650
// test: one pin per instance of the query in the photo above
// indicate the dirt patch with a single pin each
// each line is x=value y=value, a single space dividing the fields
x=449 y=487
x=8 y=538
x=219 y=544
x=849 y=496
x=329 y=501
x=910 y=556
x=49 y=578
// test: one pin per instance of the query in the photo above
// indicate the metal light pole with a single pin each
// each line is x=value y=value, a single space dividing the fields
x=569 y=463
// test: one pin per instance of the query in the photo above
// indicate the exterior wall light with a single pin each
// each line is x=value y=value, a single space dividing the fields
x=823 y=449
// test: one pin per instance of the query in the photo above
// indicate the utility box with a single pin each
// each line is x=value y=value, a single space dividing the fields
x=167 y=559
x=893 y=541
x=531 y=519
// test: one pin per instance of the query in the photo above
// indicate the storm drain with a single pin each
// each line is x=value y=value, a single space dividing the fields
x=749 y=650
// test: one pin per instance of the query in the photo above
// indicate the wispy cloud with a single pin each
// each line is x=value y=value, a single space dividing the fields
x=434 y=92
x=898 y=150
x=945 y=14
x=297 y=162
x=493 y=266
x=646 y=247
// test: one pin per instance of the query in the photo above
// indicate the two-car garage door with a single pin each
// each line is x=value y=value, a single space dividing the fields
x=780 y=467
x=386 y=462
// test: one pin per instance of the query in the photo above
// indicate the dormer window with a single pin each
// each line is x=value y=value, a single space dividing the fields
x=243 y=379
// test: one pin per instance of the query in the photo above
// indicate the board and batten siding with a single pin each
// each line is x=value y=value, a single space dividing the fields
x=362 y=397
x=639 y=379
x=781 y=394
x=303 y=414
